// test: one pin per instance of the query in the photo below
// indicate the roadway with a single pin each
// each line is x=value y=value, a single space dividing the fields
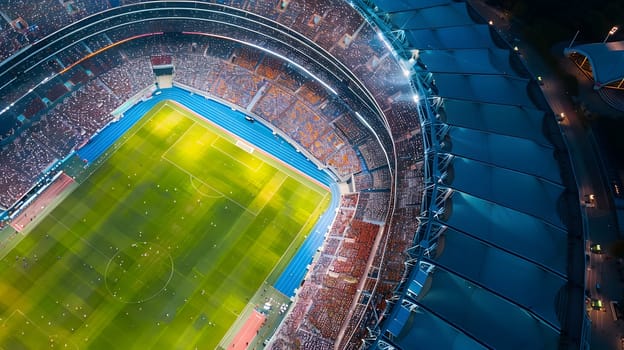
x=598 y=215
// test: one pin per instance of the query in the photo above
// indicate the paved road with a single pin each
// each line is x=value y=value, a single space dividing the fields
x=598 y=216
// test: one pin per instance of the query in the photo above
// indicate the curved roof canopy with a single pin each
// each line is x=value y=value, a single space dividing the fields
x=495 y=271
x=606 y=60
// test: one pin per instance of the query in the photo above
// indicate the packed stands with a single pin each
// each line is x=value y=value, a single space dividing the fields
x=374 y=158
x=126 y=80
x=278 y=93
x=372 y=206
x=197 y=71
x=57 y=133
x=108 y=81
x=236 y=84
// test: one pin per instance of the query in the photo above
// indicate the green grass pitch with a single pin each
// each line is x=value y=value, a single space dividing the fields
x=161 y=247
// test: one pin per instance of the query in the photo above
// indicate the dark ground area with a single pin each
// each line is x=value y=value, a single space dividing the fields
x=549 y=21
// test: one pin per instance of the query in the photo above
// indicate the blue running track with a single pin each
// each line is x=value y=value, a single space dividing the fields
x=254 y=133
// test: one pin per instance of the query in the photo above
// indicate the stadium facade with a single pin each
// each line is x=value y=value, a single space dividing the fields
x=450 y=153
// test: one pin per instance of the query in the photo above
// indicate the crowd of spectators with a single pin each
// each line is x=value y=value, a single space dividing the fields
x=26 y=158
x=33 y=20
x=303 y=123
x=236 y=84
x=325 y=145
x=197 y=71
x=97 y=42
x=373 y=206
x=376 y=180
x=13 y=182
x=326 y=296
x=55 y=92
x=76 y=77
x=11 y=40
x=34 y=157
x=403 y=114
x=344 y=161
x=72 y=54
x=33 y=105
x=101 y=63
x=246 y=57
x=269 y=67
x=289 y=100
x=51 y=136
x=352 y=129
x=55 y=131
x=362 y=181
x=381 y=178
x=128 y=79
x=89 y=107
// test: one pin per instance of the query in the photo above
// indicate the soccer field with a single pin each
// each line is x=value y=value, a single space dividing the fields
x=161 y=247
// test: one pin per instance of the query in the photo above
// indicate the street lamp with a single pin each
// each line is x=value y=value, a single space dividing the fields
x=611 y=32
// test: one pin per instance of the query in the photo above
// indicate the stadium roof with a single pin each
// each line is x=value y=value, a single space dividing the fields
x=497 y=272
x=606 y=60
x=499 y=119
x=499 y=89
x=476 y=61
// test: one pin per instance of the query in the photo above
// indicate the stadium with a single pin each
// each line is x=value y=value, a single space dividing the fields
x=418 y=191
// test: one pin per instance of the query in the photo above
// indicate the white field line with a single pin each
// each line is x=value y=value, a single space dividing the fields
x=180 y=137
x=275 y=189
x=297 y=235
x=39 y=328
x=80 y=237
x=199 y=191
x=272 y=160
x=221 y=193
x=213 y=145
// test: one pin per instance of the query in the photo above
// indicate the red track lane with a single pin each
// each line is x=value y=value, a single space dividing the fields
x=248 y=332
x=41 y=202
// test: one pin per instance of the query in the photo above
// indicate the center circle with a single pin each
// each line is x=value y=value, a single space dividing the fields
x=138 y=272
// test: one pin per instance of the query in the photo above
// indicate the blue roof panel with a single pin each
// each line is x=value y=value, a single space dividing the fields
x=532 y=287
x=512 y=189
x=459 y=37
x=495 y=321
x=496 y=118
x=406 y=5
x=426 y=331
x=484 y=88
x=453 y=14
x=506 y=152
x=471 y=61
x=528 y=236
x=398 y=322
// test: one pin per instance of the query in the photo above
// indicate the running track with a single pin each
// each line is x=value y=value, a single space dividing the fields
x=254 y=133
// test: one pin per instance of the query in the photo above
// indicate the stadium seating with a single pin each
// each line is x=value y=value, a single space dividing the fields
x=79 y=101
